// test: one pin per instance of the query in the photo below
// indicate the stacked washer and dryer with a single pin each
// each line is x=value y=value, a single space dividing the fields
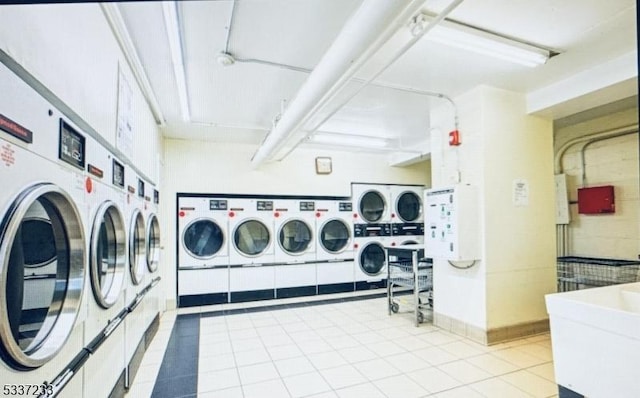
x=372 y=232
x=63 y=232
x=387 y=215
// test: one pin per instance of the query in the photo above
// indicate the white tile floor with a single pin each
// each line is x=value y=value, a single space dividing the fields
x=350 y=349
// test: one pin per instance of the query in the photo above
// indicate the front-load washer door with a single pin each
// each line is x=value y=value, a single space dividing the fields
x=408 y=206
x=372 y=258
x=153 y=243
x=372 y=206
x=107 y=254
x=203 y=238
x=251 y=238
x=42 y=269
x=335 y=236
x=295 y=237
x=137 y=253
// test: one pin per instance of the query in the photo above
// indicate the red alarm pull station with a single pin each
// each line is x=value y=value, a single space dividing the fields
x=454 y=138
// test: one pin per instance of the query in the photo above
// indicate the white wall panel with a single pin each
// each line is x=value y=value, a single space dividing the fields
x=71 y=50
x=611 y=162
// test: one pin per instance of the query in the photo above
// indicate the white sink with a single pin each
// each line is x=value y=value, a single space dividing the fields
x=596 y=340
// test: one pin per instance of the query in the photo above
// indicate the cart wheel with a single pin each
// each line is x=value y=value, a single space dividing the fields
x=395 y=307
x=420 y=317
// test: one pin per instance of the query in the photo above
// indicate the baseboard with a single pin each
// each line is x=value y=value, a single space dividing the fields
x=491 y=336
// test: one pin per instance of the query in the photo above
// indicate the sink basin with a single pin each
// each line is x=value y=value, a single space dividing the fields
x=596 y=340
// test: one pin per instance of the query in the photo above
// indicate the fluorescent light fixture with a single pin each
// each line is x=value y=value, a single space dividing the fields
x=349 y=140
x=479 y=41
x=170 y=12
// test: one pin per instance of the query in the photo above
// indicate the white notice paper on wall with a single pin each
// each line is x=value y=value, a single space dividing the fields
x=520 y=193
x=124 y=128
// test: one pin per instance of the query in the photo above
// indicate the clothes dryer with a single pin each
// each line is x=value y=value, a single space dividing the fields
x=407 y=221
x=370 y=255
x=251 y=252
x=106 y=231
x=334 y=249
x=372 y=202
x=295 y=252
x=42 y=239
x=203 y=250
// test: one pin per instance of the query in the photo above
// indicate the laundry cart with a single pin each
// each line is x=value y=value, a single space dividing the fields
x=410 y=280
x=576 y=273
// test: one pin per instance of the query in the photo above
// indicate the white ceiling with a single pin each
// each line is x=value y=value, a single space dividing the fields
x=238 y=103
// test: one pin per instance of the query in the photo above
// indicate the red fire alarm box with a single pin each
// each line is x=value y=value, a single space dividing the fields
x=596 y=200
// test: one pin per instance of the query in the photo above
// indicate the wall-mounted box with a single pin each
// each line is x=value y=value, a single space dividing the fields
x=451 y=223
x=596 y=200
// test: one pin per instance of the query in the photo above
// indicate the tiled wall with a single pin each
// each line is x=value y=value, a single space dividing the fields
x=611 y=162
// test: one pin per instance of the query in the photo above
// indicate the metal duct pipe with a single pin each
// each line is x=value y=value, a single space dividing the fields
x=358 y=40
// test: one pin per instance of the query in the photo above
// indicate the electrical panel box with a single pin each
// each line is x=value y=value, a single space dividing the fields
x=596 y=200
x=451 y=223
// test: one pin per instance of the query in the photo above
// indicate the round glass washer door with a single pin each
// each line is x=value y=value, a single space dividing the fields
x=408 y=206
x=38 y=242
x=294 y=237
x=39 y=306
x=136 y=247
x=334 y=236
x=251 y=238
x=372 y=259
x=107 y=254
x=153 y=243
x=372 y=206
x=203 y=238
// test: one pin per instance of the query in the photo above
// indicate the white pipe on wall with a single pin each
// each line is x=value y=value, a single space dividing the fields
x=567 y=145
x=365 y=32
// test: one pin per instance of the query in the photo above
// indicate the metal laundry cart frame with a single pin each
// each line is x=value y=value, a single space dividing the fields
x=576 y=273
x=409 y=271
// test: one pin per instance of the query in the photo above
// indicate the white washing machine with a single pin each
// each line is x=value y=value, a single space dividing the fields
x=42 y=240
x=106 y=233
x=370 y=255
x=152 y=240
x=203 y=250
x=137 y=276
x=407 y=226
x=295 y=252
x=372 y=203
x=334 y=249
x=252 y=249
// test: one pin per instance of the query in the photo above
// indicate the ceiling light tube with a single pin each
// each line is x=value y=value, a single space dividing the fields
x=349 y=140
x=365 y=32
x=486 y=43
x=170 y=13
